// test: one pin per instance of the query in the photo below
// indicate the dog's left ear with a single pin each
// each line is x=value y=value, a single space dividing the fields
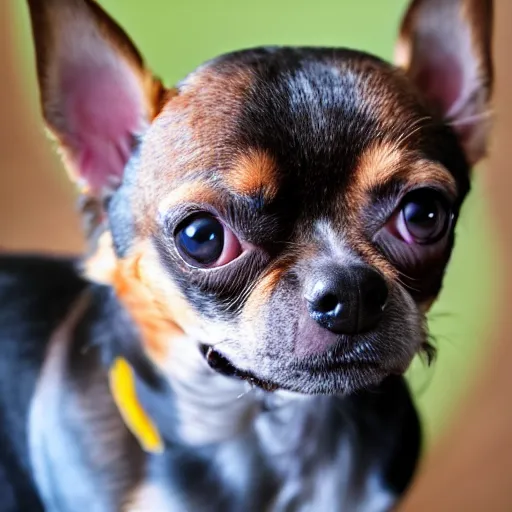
x=97 y=95
x=445 y=48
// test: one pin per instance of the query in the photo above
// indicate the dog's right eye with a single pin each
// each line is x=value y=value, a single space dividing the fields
x=204 y=242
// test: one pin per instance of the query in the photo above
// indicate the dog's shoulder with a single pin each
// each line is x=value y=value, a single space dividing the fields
x=35 y=295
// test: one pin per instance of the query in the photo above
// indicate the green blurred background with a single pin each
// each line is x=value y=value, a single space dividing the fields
x=177 y=35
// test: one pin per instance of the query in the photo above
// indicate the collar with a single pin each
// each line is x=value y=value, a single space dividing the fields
x=136 y=419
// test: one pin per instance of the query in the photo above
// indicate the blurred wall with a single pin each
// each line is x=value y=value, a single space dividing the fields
x=36 y=201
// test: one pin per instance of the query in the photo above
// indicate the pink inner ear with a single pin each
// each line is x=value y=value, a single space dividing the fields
x=103 y=110
x=440 y=78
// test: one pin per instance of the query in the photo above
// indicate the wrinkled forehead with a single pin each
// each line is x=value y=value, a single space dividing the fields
x=303 y=123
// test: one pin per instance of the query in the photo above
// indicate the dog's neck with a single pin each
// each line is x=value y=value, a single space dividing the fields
x=201 y=407
x=237 y=430
x=197 y=405
x=188 y=401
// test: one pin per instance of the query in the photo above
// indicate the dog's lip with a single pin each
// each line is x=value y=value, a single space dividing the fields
x=223 y=365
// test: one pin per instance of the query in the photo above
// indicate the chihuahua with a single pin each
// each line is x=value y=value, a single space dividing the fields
x=265 y=240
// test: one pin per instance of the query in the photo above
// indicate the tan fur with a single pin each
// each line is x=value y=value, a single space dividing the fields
x=261 y=293
x=384 y=161
x=254 y=172
x=157 y=328
x=129 y=279
x=195 y=191
x=189 y=137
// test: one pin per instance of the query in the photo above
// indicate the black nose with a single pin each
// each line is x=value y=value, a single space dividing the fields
x=346 y=300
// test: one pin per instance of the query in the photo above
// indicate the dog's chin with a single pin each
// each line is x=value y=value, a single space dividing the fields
x=335 y=378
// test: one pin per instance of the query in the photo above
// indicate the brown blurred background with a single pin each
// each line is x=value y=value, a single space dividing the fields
x=36 y=210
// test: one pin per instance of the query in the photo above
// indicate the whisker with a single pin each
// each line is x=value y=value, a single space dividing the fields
x=412 y=129
x=224 y=343
x=407 y=286
x=251 y=389
x=470 y=119
x=403 y=274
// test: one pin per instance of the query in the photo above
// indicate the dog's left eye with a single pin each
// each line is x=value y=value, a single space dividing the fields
x=203 y=241
x=423 y=218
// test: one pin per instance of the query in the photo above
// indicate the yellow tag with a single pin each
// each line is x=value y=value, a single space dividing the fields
x=122 y=386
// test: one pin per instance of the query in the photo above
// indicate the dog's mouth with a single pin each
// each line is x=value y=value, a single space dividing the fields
x=216 y=361
x=325 y=375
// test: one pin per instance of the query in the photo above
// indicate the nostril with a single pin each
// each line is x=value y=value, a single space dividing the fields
x=375 y=295
x=348 y=300
x=328 y=303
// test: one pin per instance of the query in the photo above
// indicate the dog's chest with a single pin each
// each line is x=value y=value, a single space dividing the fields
x=315 y=450
x=240 y=453
x=296 y=458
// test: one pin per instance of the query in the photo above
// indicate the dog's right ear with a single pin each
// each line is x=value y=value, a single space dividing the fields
x=96 y=94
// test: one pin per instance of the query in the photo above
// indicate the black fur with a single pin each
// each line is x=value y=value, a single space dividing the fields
x=35 y=295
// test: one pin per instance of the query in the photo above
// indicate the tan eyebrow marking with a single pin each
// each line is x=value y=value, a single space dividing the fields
x=254 y=172
x=384 y=161
x=191 y=191
x=425 y=171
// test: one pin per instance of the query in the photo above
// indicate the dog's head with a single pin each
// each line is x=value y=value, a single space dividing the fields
x=289 y=210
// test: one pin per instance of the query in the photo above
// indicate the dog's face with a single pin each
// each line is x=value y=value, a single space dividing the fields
x=302 y=203
x=290 y=210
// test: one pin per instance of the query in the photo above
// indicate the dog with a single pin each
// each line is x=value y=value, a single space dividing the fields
x=265 y=240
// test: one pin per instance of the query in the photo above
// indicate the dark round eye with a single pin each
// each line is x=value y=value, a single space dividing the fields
x=203 y=241
x=423 y=218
